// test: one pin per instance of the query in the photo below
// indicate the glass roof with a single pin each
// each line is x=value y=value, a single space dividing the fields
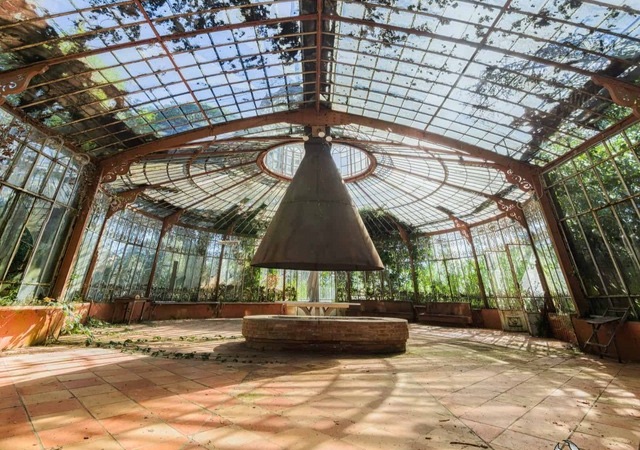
x=511 y=78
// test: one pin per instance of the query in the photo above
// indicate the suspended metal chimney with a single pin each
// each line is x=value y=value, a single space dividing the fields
x=317 y=226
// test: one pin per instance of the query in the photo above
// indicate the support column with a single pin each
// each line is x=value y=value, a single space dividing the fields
x=216 y=289
x=562 y=252
x=465 y=231
x=548 y=301
x=77 y=233
x=514 y=212
x=284 y=284
x=483 y=292
x=407 y=242
x=167 y=224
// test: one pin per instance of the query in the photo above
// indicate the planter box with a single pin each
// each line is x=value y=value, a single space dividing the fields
x=22 y=326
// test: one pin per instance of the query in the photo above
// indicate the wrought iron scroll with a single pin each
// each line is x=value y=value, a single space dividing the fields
x=463 y=228
x=169 y=221
x=120 y=201
x=115 y=169
x=17 y=81
x=622 y=93
x=526 y=180
x=511 y=208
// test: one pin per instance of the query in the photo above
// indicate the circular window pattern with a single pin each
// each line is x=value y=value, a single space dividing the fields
x=282 y=162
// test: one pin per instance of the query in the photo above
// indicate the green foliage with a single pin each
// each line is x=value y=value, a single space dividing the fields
x=73 y=320
x=8 y=294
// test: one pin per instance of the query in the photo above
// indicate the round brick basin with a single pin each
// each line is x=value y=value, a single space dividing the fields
x=330 y=334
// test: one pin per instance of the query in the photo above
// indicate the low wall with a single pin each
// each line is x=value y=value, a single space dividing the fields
x=22 y=326
x=627 y=338
x=383 y=308
x=562 y=328
x=326 y=334
x=491 y=319
x=183 y=310
x=239 y=310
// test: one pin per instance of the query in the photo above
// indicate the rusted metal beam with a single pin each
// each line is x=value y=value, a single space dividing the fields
x=118 y=203
x=154 y=40
x=563 y=254
x=481 y=46
x=622 y=93
x=172 y=59
x=167 y=224
x=309 y=117
x=586 y=145
x=319 y=22
x=465 y=230
x=16 y=81
x=75 y=239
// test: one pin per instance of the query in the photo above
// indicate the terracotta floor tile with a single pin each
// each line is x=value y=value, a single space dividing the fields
x=56 y=420
x=115 y=409
x=630 y=436
x=496 y=413
x=56 y=406
x=40 y=387
x=103 y=399
x=197 y=422
x=127 y=422
x=591 y=442
x=9 y=402
x=489 y=379
x=83 y=431
x=84 y=382
x=485 y=432
x=518 y=441
x=25 y=441
x=93 y=390
x=45 y=397
x=146 y=393
x=151 y=436
x=98 y=443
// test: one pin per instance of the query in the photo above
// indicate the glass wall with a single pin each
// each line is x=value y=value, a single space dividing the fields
x=448 y=272
x=87 y=246
x=556 y=283
x=507 y=264
x=39 y=181
x=127 y=249
x=597 y=198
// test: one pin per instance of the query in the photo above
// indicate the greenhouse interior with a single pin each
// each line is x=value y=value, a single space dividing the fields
x=469 y=167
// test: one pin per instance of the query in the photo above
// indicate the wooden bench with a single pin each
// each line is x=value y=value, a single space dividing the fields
x=376 y=308
x=444 y=313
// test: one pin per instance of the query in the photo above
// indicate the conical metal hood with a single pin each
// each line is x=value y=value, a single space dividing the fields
x=317 y=226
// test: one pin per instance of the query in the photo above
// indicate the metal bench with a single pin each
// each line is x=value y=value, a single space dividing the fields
x=612 y=319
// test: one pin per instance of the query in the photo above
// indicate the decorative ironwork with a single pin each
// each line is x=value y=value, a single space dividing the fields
x=463 y=228
x=624 y=94
x=112 y=170
x=17 y=81
x=120 y=201
x=511 y=208
x=169 y=222
x=9 y=133
x=526 y=182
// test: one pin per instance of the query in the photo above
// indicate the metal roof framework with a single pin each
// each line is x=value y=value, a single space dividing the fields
x=456 y=100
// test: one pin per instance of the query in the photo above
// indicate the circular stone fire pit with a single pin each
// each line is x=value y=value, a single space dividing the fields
x=334 y=334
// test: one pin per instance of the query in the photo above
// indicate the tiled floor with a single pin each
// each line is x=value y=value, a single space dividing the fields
x=453 y=389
